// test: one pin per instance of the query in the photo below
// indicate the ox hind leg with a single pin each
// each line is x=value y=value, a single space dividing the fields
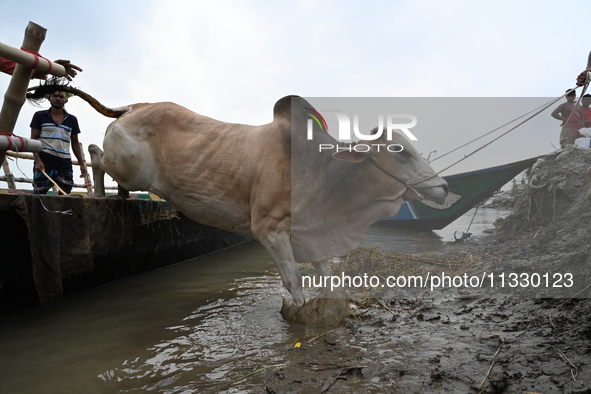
x=98 y=173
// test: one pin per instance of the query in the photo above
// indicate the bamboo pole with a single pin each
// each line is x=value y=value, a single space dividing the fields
x=87 y=181
x=15 y=95
x=29 y=156
x=9 y=178
x=44 y=66
x=20 y=144
x=5 y=178
x=54 y=183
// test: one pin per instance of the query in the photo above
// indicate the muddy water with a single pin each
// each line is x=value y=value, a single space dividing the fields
x=405 y=241
x=193 y=327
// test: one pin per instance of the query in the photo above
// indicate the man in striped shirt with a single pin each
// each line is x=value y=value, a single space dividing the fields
x=56 y=129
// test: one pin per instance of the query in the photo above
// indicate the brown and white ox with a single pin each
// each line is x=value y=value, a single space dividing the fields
x=245 y=179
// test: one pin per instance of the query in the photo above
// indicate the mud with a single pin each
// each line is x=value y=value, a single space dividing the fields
x=461 y=340
x=446 y=344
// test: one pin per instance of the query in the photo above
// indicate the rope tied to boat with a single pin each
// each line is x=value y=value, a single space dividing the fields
x=466 y=234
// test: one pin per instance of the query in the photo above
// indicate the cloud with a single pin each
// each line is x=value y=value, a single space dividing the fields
x=233 y=60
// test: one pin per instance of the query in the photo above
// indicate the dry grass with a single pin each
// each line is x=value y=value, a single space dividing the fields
x=373 y=261
x=370 y=261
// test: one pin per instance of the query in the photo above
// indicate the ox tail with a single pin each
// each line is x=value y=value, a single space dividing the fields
x=39 y=93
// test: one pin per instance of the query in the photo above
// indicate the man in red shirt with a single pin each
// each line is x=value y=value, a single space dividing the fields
x=585 y=103
x=571 y=117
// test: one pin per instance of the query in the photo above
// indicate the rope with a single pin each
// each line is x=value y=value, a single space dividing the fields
x=544 y=107
x=11 y=144
x=66 y=212
x=537 y=112
x=475 y=211
x=408 y=185
x=37 y=55
x=498 y=128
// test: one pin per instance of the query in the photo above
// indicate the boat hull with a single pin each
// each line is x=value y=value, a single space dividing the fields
x=47 y=254
x=466 y=190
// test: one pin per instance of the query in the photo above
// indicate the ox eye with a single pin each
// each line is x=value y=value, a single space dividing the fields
x=405 y=154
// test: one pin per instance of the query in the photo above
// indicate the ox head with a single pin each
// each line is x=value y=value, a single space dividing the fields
x=399 y=160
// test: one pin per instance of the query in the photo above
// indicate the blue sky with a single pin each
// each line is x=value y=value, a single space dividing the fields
x=232 y=60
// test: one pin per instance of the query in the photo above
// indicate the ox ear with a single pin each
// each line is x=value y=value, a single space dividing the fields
x=353 y=156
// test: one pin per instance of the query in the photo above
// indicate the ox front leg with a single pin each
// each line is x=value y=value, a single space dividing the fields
x=98 y=174
x=279 y=248
x=328 y=308
x=333 y=288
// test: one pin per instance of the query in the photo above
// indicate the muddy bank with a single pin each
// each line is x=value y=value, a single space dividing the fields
x=446 y=344
x=550 y=229
x=464 y=339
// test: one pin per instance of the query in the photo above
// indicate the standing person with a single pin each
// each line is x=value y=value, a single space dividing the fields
x=56 y=128
x=585 y=141
x=567 y=111
x=7 y=66
x=585 y=103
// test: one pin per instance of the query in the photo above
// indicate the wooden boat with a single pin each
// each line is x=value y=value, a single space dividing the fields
x=466 y=190
x=56 y=246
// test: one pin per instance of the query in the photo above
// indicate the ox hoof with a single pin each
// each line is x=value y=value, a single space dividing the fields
x=316 y=312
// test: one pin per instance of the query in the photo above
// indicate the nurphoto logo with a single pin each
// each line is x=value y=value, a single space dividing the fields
x=348 y=133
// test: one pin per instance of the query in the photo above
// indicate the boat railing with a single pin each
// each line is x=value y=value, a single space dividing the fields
x=11 y=180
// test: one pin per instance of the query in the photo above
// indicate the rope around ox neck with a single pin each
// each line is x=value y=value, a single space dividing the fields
x=407 y=185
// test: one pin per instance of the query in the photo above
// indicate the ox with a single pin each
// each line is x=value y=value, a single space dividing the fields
x=267 y=182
